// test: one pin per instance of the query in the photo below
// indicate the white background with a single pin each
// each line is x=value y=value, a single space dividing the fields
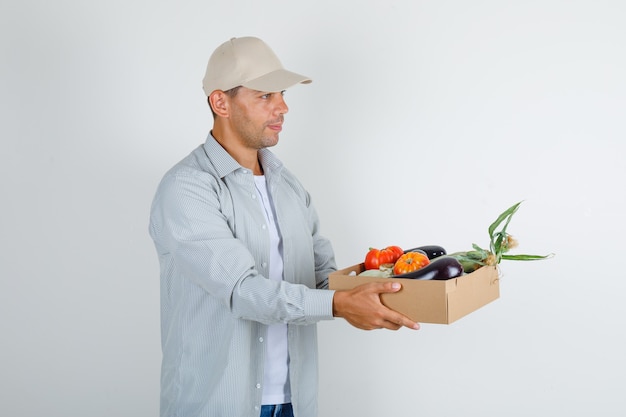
x=425 y=120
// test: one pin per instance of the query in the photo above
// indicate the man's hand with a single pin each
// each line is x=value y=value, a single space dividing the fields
x=362 y=308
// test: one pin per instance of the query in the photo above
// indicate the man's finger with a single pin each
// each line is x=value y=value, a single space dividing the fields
x=386 y=287
x=397 y=319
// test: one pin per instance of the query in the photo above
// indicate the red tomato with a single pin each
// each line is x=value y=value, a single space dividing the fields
x=409 y=262
x=377 y=257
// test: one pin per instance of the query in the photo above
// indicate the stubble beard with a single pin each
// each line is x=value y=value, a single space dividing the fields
x=257 y=138
x=253 y=136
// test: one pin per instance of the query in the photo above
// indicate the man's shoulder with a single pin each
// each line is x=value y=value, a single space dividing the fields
x=195 y=168
x=196 y=163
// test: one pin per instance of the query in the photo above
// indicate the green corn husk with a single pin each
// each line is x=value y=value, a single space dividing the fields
x=500 y=242
x=473 y=259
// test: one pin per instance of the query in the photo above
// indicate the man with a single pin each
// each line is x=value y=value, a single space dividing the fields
x=244 y=269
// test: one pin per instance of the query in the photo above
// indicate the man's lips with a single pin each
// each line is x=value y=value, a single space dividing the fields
x=276 y=127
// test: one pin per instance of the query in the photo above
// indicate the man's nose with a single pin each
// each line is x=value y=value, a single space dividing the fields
x=281 y=106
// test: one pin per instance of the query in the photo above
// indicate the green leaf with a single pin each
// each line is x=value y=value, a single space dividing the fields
x=498 y=239
x=478 y=248
x=506 y=214
x=498 y=243
x=526 y=257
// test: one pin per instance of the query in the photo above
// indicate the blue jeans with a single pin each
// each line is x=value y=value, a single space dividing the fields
x=280 y=410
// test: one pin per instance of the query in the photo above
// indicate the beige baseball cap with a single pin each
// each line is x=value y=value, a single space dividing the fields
x=248 y=62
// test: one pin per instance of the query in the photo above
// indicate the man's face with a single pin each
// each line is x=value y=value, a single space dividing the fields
x=257 y=117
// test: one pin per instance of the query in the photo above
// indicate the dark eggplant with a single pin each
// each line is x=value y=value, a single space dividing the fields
x=432 y=251
x=444 y=267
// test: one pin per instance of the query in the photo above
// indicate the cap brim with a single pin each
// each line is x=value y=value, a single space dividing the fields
x=275 y=81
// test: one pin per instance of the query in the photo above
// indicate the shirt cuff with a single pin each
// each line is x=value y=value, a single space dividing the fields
x=319 y=305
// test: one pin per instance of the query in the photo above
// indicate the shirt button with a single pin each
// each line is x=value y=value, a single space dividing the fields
x=264 y=264
x=263 y=227
x=260 y=340
x=256 y=408
x=253 y=196
x=258 y=386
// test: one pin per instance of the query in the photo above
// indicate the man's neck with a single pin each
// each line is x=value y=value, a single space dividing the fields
x=246 y=157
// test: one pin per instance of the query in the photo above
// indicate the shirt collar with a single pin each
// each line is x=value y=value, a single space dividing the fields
x=224 y=163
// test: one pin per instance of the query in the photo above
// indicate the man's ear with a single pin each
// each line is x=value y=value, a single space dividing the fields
x=218 y=102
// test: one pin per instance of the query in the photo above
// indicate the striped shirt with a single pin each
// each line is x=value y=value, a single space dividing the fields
x=213 y=245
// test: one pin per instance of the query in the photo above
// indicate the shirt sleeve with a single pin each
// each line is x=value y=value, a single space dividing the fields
x=195 y=242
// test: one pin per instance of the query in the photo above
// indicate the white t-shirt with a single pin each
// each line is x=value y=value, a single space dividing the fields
x=276 y=388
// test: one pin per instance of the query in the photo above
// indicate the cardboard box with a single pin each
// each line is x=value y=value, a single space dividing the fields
x=441 y=302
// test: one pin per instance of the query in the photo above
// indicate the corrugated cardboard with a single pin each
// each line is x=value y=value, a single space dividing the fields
x=441 y=302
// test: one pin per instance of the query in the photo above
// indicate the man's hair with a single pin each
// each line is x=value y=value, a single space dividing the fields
x=230 y=93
